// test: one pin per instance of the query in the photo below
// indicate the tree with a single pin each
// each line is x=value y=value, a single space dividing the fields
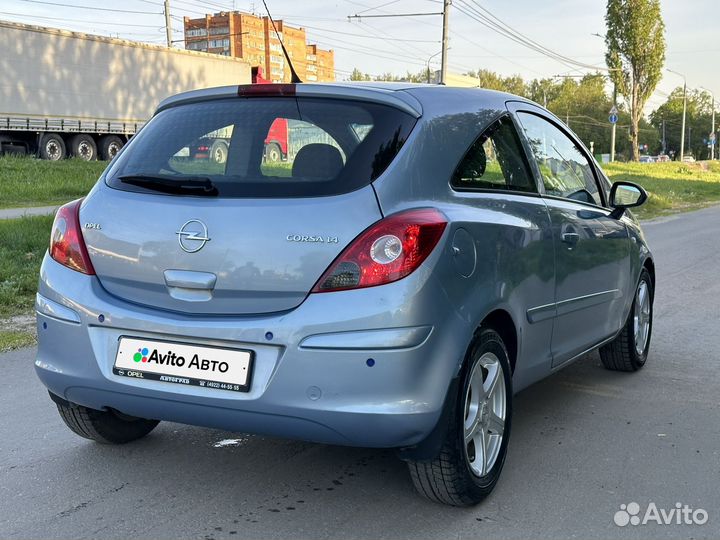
x=635 y=54
x=698 y=122
x=493 y=81
x=358 y=75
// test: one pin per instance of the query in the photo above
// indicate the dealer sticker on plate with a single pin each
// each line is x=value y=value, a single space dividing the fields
x=182 y=363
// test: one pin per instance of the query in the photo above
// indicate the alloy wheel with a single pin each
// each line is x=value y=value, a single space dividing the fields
x=642 y=317
x=485 y=414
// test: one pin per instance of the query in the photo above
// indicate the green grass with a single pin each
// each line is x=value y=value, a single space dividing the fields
x=23 y=243
x=673 y=187
x=15 y=339
x=26 y=181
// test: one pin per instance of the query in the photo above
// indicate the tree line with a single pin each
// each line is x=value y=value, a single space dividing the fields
x=585 y=103
x=635 y=57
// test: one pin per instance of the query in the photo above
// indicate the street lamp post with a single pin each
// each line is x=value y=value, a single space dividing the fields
x=682 y=135
x=428 y=65
x=712 y=131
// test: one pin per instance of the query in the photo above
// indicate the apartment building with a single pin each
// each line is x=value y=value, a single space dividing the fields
x=252 y=38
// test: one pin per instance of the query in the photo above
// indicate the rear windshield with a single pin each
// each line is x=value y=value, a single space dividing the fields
x=265 y=147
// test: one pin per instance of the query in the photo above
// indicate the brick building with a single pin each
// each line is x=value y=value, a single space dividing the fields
x=253 y=39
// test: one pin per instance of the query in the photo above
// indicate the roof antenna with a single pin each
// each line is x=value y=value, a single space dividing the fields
x=293 y=74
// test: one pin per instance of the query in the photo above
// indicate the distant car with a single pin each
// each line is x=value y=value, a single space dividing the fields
x=392 y=287
x=662 y=158
x=688 y=159
x=647 y=159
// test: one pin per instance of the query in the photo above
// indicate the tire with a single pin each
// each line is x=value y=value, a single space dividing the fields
x=109 y=146
x=52 y=147
x=83 y=146
x=105 y=427
x=219 y=152
x=456 y=476
x=629 y=350
x=273 y=153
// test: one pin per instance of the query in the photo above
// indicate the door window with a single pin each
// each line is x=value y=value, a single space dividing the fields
x=495 y=161
x=565 y=170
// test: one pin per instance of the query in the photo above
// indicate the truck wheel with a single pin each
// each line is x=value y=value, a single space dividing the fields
x=629 y=350
x=52 y=147
x=219 y=152
x=83 y=146
x=106 y=427
x=109 y=146
x=473 y=452
x=273 y=152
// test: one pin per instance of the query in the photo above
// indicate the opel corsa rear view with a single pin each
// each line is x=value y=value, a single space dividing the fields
x=417 y=256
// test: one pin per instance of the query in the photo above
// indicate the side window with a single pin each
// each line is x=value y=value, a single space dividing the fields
x=565 y=170
x=495 y=161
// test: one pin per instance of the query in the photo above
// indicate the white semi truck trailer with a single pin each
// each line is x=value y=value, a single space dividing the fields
x=71 y=94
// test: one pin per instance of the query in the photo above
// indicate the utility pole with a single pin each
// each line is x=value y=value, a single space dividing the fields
x=682 y=136
x=614 y=126
x=445 y=18
x=664 y=146
x=168 y=23
x=682 y=133
x=713 y=136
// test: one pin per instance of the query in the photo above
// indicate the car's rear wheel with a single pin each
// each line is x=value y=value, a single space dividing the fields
x=629 y=350
x=106 y=427
x=475 y=445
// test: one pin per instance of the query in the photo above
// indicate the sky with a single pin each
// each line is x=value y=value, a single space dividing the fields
x=397 y=44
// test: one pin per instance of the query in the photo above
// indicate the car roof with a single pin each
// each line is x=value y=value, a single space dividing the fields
x=407 y=96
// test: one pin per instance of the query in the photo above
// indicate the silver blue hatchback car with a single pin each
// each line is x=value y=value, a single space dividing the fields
x=403 y=260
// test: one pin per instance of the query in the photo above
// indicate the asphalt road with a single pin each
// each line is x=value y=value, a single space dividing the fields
x=584 y=442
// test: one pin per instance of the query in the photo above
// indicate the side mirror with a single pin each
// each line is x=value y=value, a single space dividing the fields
x=625 y=195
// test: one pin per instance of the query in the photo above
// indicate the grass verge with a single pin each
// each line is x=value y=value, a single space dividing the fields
x=15 y=339
x=673 y=187
x=23 y=243
x=26 y=181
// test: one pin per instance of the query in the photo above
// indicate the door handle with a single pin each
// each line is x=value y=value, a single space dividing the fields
x=570 y=238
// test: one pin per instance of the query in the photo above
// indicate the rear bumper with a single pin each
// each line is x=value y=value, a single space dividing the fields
x=311 y=377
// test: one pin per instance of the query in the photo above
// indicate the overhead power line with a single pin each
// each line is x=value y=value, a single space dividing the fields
x=492 y=22
x=79 y=21
x=58 y=4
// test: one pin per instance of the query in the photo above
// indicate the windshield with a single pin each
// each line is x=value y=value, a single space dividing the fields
x=264 y=147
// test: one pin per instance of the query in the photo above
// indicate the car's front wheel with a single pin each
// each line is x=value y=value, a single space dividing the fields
x=107 y=427
x=473 y=452
x=629 y=350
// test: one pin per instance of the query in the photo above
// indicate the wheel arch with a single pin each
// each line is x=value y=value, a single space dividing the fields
x=502 y=322
x=649 y=265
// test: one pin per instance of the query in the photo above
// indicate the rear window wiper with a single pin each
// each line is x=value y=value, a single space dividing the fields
x=191 y=185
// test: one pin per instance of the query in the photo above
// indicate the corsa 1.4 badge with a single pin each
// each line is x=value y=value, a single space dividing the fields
x=319 y=239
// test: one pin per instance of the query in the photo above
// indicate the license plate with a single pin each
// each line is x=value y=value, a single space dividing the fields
x=182 y=363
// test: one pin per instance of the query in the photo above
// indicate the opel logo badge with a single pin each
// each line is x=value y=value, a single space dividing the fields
x=193 y=236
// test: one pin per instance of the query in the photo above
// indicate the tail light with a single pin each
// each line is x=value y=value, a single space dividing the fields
x=389 y=250
x=67 y=245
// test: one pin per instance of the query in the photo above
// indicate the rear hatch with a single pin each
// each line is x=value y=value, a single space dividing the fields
x=236 y=229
